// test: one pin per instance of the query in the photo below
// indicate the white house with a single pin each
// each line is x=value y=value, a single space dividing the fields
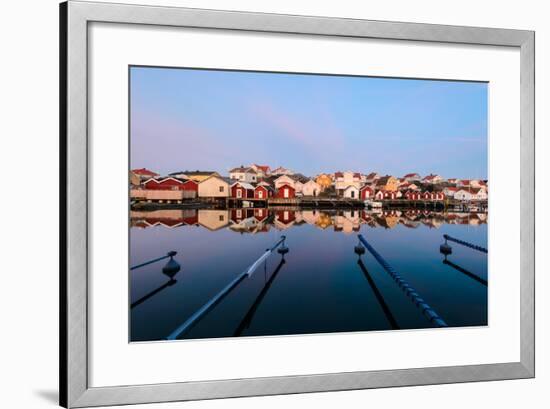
x=431 y=178
x=261 y=170
x=214 y=186
x=450 y=191
x=342 y=180
x=462 y=194
x=243 y=174
x=284 y=180
x=412 y=177
x=311 y=188
x=351 y=192
x=213 y=219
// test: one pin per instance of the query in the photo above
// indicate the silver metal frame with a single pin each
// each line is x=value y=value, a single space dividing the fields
x=74 y=388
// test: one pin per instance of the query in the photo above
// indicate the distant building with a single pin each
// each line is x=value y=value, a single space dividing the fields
x=284 y=180
x=372 y=177
x=244 y=174
x=433 y=179
x=387 y=183
x=262 y=170
x=214 y=187
x=144 y=173
x=450 y=191
x=311 y=188
x=281 y=171
x=135 y=180
x=412 y=177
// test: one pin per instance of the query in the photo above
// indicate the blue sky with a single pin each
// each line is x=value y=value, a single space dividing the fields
x=215 y=120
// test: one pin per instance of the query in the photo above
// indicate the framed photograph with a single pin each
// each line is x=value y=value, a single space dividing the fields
x=259 y=204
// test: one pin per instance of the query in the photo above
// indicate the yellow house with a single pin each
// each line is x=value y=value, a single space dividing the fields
x=388 y=183
x=196 y=175
x=323 y=180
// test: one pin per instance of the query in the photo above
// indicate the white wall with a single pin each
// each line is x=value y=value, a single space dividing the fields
x=29 y=127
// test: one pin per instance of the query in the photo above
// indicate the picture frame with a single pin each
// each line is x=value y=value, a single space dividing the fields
x=75 y=389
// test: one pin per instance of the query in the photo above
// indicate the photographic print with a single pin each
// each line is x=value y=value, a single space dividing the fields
x=267 y=203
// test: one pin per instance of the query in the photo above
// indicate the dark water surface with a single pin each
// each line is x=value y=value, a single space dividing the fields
x=321 y=285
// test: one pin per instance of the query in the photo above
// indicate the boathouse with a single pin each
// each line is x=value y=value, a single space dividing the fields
x=366 y=192
x=263 y=191
x=286 y=191
x=242 y=190
x=214 y=187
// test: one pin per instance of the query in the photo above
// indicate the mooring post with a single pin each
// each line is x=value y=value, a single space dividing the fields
x=201 y=312
x=419 y=302
x=170 y=254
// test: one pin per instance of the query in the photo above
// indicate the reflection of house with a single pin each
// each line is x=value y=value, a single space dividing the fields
x=261 y=214
x=311 y=188
x=431 y=178
x=144 y=173
x=366 y=192
x=284 y=219
x=342 y=180
x=214 y=186
x=388 y=183
x=196 y=175
x=323 y=180
x=242 y=190
x=351 y=192
x=263 y=191
x=244 y=174
x=310 y=216
x=213 y=219
x=238 y=215
x=324 y=221
x=349 y=222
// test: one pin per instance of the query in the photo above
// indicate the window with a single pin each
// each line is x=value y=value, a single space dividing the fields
x=221 y=189
x=221 y=217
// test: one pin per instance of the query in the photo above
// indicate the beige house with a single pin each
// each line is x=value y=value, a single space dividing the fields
x=351 y=192
x=214 y=186
x=431 y=178
x=196 y=175
x=311 y=188
x=388 y=183
x=213 y=219
x=284 y=180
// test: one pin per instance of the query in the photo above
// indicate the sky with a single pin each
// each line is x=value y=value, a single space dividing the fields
x=189 y=119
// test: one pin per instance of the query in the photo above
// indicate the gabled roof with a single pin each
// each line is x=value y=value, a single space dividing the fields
x=243 y=169
x=163 y=179
x=247 y=186
x=431 y=177
x=224 y=179
x=144 y=172
x=372 y=175
x=383 y=180
x=195 y=172
x=264 y=168
x=410 y=175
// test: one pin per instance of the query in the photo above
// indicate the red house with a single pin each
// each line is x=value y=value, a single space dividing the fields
x=286 y=192
x=261 y=214
x=190 y=184
x=286 y=216
x=263 y=192
x=242 y=190
x=366 y=192
x=144 y=173
x=412 y=195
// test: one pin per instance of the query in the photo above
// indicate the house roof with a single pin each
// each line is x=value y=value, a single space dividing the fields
x=372 y=175
x=264 y=185
x=383 y=180
x=365 y=187
x=410 y=175
x=225 y=179
x=431 y=177
x=144 y=172
x=243 y=169
x=195 y=173
x=264 y=168
x=247 y=186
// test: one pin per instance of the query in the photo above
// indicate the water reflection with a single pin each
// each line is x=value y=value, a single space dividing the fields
x=261 y=220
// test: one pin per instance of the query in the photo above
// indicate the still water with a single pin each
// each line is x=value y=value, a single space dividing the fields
x=321 y=285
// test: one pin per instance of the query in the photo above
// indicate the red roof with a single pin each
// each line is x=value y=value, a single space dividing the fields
x=264 y=168
x=356 y=175
x=144 y=172
x=410 y=175
x=338 y=175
